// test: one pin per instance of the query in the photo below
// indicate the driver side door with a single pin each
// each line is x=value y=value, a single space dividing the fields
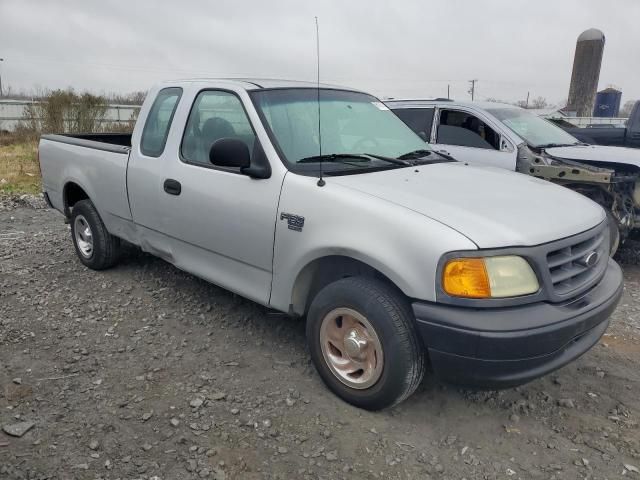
x=468 y=138
x=221 y=221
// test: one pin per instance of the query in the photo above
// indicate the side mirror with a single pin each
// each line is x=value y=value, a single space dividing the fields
x=230 y=152
x=423 y=136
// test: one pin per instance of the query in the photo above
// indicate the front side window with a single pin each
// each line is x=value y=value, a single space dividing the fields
x=419 y=120
x=466 y=130
x=536 y=131
x=214 y=115
x=158 y=123
x=350 y=123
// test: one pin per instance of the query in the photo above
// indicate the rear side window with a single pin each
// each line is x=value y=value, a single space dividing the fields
x=419 y=120
x=156 y=128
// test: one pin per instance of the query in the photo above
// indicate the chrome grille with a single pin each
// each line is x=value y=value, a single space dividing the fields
x=569 y=271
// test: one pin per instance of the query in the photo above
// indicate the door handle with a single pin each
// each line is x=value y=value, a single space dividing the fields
x=172 y=187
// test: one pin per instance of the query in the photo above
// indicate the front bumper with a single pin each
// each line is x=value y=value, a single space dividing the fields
x=504 y=347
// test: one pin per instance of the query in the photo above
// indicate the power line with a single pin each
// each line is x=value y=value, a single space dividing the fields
x=472 y=90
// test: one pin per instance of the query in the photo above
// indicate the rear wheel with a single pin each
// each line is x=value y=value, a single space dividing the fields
x=95 y=246
x=363 y=342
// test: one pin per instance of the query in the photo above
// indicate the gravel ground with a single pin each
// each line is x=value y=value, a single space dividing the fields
x=144 y=371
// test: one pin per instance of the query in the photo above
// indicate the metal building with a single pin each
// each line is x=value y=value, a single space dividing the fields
x=586 y=72
x=607 y=103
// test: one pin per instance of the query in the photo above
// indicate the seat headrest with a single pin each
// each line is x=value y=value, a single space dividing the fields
x=216 y=128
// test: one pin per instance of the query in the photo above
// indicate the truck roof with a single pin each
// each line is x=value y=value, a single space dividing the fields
x=259 y=83
x=419 y=102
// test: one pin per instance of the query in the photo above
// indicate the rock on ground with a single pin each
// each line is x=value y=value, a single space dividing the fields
x=172 y=377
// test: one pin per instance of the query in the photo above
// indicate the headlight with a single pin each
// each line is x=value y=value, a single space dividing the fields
x=489 y=277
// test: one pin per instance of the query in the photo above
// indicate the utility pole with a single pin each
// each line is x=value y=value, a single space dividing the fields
x=527 y=100
x=1 y=60
x=448 y=92
x=472 y=90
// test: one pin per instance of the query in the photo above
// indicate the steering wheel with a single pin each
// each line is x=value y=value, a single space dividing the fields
x=365 y=143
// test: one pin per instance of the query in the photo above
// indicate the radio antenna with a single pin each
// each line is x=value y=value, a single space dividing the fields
x=321 y=181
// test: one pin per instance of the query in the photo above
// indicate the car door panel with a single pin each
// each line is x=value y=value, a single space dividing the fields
x=470 y=147
x=148 y=161
x=222 y=222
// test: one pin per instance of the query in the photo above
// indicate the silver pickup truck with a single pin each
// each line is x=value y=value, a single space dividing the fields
x=320 y=202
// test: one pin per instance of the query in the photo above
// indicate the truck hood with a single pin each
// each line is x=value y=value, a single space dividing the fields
x=490 y=206
x=597 y=153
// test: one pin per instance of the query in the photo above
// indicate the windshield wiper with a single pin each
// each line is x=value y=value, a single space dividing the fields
x=396 y=161
x=555 y=145
x=415 y=154
x=420 y=154
x=355 y=157
x=333 y=157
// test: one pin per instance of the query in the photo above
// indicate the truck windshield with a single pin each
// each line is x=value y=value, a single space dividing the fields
x=351 y=123
x=536 y=131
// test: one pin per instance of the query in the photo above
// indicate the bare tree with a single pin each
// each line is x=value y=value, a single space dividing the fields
x=539 y=102
x=65 y=111
x=131 y=98
x=136 y=98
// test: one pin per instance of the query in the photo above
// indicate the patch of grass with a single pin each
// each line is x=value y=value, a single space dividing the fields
x=19 y=170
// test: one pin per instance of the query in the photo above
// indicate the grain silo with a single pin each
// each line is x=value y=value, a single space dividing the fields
x=586 y=72
x=607 y=103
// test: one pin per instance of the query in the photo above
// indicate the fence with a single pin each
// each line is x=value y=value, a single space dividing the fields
x=586 y=121
x=12 y=113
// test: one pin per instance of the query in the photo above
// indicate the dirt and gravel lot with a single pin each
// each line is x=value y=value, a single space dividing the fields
x=144 y=371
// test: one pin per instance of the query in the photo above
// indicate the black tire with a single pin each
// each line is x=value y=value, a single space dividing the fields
x=105 y=249
x=390 y=315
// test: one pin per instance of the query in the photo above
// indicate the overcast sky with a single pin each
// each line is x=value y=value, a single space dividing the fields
x=398 y=48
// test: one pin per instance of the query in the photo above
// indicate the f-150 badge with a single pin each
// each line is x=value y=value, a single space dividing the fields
x=294 y=222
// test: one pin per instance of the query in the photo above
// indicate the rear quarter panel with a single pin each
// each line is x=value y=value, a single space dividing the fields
x=101 y=174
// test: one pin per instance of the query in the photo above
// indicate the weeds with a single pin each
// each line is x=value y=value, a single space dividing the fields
x=64 y=111
x=19 y=169
x=57 y=111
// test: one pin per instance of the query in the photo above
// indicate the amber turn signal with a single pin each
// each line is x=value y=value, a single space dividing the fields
x=466 y=277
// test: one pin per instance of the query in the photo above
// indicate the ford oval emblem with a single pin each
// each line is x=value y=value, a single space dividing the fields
x=590 y=259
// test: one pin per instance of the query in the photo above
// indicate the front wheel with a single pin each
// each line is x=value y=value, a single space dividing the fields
x=363 y=342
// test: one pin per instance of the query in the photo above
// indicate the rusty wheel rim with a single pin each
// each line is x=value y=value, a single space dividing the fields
x=351 y=348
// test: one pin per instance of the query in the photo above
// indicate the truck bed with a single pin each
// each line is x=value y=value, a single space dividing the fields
x=93 y=163
x=600 y=136
x=111 y=142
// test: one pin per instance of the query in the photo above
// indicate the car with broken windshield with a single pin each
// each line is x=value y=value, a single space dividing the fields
x=509 y=137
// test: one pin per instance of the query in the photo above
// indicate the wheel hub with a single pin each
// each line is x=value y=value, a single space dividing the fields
x=351 y=348
x=355 y=344
x=83 y=236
